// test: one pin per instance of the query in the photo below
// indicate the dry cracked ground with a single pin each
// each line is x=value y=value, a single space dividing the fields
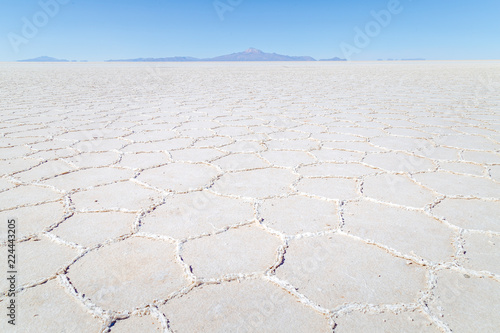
x=287 y=197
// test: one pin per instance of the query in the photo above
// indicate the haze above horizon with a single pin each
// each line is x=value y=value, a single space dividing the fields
x=357 y=30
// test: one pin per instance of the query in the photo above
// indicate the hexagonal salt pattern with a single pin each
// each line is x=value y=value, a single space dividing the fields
x=336 y=270
x=145 y=324
x=243 y=250
x=270 y=182
x=179 y=177
x=146 y=266
x=244 y=204
x=35 y=219
x=44 y=257
x=460 y=298
x=49 y=308
x=246 y=306
x=418 y=234
x=299 y=214
x=407 y=321
x=197 y=213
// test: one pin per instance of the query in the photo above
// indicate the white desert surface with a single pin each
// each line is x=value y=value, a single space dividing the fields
x=252 y=197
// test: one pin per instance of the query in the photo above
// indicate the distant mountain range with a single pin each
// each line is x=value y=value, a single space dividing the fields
x=257 y=55
x=334 y=59
x=49 y=59
x=168 y=59
x=44 y=59
x=251 y=54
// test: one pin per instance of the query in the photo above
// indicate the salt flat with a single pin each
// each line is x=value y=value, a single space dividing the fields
x=252 y=197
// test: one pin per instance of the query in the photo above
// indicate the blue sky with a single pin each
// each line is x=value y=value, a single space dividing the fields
x=96 y=30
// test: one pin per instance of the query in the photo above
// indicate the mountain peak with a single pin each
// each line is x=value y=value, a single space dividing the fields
x=253 y=50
